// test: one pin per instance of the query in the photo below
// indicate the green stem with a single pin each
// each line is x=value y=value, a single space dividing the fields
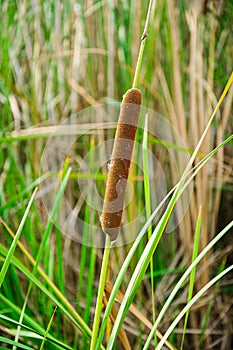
x=99 y=301
x=108 y=241
x=148 y=208
x=142 y=45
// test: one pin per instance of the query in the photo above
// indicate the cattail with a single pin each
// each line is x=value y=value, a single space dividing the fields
x=120 y=163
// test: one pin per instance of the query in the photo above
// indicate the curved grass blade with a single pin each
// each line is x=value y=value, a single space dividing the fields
x=190 y=304
x=27 y=189
x=15 y=241
x=148 y=208
x=14 y=343
x=183 y=278
x=36 y=332
x=99 y=301
x=71 y=314
x=192 y=275
x=47 y=330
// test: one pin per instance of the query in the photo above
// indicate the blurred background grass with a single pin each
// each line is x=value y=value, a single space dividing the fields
x=60 y=57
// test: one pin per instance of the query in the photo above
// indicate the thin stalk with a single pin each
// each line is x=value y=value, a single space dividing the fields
x=204 y=331
x=48 y=328
x=13 y=246
x=148 y=206
x=192 y=275
x=142 y=46
x=100 y=292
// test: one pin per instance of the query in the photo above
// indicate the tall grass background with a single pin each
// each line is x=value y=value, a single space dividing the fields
x=58 y=58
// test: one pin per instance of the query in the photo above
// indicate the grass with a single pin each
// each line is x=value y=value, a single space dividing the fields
x=192 y=275
x=57 y=59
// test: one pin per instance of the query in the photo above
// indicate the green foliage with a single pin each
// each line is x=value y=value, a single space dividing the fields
x=56 y=59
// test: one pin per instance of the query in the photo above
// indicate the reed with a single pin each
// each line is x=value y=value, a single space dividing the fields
x=120 y=163
x=119 y=171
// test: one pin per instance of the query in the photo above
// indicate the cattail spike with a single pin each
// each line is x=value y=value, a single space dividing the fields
x=120 y=163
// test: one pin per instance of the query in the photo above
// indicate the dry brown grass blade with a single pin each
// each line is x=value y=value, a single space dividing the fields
x=122 y=334
x=111 y=49
x=62 y=130
x=178 y=103
x=137 y=313
x=221 y=177
x=194 y=132
x=206 y=197
x=176 y=71
x=171 y=112
x=82 y=92
x=69 y=53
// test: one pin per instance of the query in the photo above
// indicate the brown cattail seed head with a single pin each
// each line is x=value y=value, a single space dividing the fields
x=120 y=163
